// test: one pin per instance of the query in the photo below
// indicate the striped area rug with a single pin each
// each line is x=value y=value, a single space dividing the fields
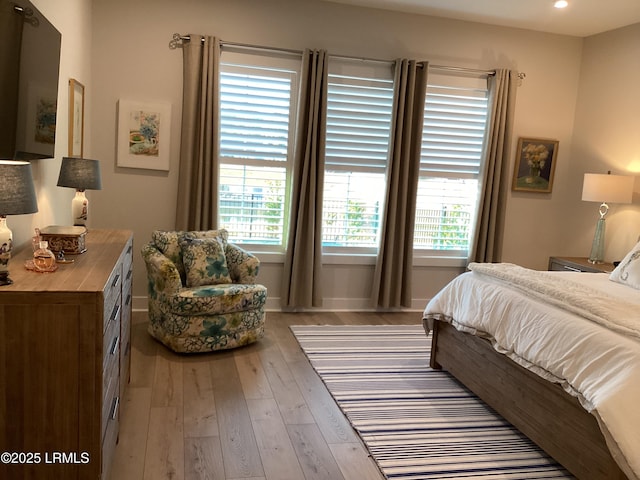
x=416 y=422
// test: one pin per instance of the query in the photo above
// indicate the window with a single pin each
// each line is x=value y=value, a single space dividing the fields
x=257 y=117
x=455 y=119
x=257 y=105
x=359 y=105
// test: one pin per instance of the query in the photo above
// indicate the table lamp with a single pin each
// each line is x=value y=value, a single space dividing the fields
x=605 y=188
x=17 y=197
x=81 y=174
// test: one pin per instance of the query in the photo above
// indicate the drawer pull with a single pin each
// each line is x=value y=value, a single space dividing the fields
x=129 y=249
x=114 y=312
x=114 y=408
x=114 y=346
x=129 y=274
x=115 y=281
x=128 y=300
x=571 y=269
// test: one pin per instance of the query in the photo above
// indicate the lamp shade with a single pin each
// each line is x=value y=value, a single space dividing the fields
x=80 y=173
x=17 y=195
x=607 y=188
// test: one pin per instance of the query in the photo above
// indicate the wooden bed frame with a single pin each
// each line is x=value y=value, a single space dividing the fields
x=541 y=410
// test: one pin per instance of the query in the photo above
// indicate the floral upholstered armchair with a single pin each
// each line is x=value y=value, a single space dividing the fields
x=202 y=291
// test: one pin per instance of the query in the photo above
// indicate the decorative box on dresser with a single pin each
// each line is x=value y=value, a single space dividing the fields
x=65 y=361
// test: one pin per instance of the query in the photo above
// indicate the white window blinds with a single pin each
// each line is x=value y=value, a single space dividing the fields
x=257 y=110
x=455 y=119
x=358 y=121
x=359 y=105
x=254 y=113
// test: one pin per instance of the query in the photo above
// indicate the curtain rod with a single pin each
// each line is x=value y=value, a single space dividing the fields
x=488 y=73
x=178 y=40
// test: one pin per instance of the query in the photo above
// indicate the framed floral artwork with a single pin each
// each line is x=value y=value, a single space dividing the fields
x=535 y=165
x=144 y=134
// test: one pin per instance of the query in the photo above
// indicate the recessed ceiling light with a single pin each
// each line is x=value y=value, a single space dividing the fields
x=561 y=4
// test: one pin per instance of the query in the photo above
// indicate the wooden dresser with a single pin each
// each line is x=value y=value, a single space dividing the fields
x=65 y=361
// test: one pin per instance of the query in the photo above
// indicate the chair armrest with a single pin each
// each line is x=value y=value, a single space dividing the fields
x=162 y=275
x=243 y=266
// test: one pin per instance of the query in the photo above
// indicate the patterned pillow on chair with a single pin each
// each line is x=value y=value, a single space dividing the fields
x=204 y=261
x=168 y=242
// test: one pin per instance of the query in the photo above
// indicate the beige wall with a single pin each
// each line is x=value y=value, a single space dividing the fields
x=606 y=137
x=119 y=50
x=131 y=60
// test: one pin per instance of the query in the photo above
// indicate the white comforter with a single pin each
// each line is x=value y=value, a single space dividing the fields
x=599 y=365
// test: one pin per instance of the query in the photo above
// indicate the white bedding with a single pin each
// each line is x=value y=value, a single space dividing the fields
x=594 y=363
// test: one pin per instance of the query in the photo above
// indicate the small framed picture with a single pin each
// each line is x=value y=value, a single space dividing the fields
x=144 y=134
x=535 y=165
x=76 y=118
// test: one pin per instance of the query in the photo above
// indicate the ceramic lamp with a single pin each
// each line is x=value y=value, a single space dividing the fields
x=81 y=174
x=605 y=188
x=17 y=197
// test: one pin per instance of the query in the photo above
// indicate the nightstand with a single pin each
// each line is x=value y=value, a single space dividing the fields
x=578 y=264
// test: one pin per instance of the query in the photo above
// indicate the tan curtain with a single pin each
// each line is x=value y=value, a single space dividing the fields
x=197 y=205
x=11 y=23
x=301 y=286
x=392 y=278
x=486 y=245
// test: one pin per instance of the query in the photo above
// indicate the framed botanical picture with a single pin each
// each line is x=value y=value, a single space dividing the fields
x=36 y=136
x=144 y=134
x=76 y=118
x=535 y=165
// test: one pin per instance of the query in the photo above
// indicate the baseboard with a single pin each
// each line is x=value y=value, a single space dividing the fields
x=140 y=304
x=348 y=305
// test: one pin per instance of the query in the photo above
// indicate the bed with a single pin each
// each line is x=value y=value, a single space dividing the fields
x=555 y=353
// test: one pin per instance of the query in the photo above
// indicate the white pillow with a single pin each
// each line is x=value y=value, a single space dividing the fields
x=628 y=271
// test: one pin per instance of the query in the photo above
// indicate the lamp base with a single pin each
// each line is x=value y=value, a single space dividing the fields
x=4 y=279
x=597 y=247
x=6 y=246
x=79 y=208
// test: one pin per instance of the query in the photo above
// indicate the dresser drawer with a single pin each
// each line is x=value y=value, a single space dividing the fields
x=125 y=342
x=112 y=295
x=110 y=438
x=110 y=366
x=127 y=260
x=125 y=322
x=110 y=361
x=111 y=390
x=111 y=341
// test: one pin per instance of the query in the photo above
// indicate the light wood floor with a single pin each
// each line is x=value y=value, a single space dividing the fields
x=258 y=412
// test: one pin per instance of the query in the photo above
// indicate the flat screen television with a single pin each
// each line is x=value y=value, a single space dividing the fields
x=29 y=72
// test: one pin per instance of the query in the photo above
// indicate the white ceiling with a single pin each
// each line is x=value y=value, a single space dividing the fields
x=581 y=18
